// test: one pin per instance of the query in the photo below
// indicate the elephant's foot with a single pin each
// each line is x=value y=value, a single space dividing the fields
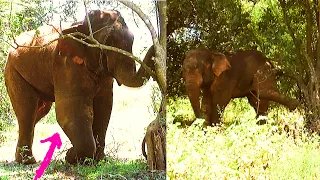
x=293 y=104
x=211 y=120
x=84 y=156
x=24 y=156
x=71 y=156
x=261 y=122
x=207 y=123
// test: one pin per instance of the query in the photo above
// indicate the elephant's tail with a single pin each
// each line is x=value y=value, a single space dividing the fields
x=143 y=147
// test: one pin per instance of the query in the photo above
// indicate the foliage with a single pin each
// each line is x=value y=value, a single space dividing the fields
x=14 y=19
x=240 y=149
x=287 y=32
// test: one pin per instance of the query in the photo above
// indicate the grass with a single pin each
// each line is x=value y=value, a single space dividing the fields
x=105 y=169
x=239 y=148
x=112 y=167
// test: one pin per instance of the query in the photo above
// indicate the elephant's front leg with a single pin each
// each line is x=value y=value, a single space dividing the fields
x=75 y=116
x=102 y=111
x=221 y=95
x=206 y=101
x=208 y=107
x=212 y=112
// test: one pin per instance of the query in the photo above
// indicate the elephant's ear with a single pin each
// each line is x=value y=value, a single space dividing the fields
x=220 y=63
x=70 y=47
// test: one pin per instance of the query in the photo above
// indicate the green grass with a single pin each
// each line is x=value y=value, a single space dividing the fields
x=240 y=149
x=105 y=169
x=109 y=168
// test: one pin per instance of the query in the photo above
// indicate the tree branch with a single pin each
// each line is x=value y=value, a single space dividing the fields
x=317 y=11
x=309 y=28
x=111 y=48
x=295 y=41
x=160 y=53
x=162 y=8
x=144 y=18
x=88 y=19
x=95 y=44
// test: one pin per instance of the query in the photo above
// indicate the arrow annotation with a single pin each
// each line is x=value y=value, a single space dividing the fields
x=55 y=142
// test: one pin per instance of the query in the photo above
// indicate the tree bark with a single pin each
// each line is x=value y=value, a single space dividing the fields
x=155 y=140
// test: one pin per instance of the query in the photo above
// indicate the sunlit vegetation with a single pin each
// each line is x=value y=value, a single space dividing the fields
x=239 y=148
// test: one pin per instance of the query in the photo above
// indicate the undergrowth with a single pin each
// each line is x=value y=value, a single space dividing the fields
x=105 y=169
x=239 y=148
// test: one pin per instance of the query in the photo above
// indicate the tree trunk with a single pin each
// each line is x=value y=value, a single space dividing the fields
x=155 y=139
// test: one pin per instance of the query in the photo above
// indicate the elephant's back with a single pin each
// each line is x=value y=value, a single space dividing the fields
x=35 y=46
x=248 y=57
x=39 y=37
x=245 y=65
x=34 y=64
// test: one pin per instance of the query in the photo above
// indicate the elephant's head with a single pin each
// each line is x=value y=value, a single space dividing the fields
x=200 y=68
x=109 y=28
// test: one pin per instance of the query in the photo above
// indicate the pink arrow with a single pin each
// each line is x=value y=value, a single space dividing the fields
x=55 y=142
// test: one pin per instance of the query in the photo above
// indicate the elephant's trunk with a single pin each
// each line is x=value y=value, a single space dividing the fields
x=132 y=78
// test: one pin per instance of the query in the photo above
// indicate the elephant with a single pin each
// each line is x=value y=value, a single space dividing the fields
x=247 y=73
x=77 y=77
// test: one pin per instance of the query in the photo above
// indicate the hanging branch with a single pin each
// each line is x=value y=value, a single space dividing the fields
x=89 y=23
x=94 y=44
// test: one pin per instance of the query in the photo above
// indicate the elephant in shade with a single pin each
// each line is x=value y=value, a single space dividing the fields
x=220 y=78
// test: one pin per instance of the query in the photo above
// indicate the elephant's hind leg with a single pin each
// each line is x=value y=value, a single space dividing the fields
x=275 y=96
x=24 y=101
x=266 y=86
x=260 y=106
